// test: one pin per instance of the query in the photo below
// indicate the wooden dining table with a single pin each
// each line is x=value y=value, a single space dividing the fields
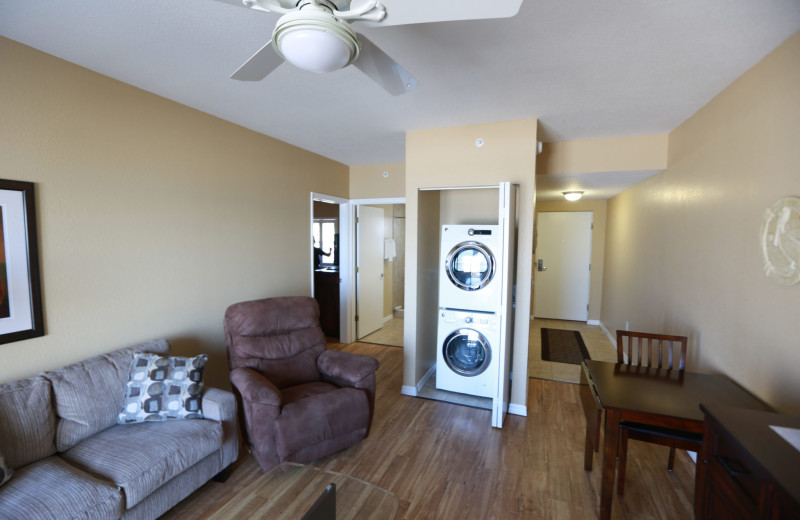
x=668 y=398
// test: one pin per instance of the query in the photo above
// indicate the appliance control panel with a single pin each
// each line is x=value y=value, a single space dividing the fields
x=469 y=318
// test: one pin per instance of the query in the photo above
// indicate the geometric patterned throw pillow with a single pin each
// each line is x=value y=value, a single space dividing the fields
x=5 y=470
x=162 y=388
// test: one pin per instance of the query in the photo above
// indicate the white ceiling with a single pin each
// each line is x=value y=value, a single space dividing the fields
x=586 y=68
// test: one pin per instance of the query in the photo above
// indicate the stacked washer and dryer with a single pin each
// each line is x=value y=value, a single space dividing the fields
x=467 y=359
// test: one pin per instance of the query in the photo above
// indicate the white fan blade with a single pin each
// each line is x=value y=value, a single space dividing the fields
x=382 y=69
x=259 y=65
x=277 y=3
x=402 y=12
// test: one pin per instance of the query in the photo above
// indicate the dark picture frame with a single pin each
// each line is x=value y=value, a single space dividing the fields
x=21 y=315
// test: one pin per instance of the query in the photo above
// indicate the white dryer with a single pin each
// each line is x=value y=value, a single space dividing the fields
x=470 y=263
x=466 y=358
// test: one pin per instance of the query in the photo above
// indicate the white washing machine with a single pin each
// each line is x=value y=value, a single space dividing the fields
x=470 y=260
x=466 y=355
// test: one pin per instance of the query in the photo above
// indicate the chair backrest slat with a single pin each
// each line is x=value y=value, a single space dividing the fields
x=655 y=345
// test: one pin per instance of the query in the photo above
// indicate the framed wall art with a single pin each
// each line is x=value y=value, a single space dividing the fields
x=21 y=314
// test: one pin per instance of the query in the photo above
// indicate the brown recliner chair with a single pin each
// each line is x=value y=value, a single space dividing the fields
x=299 y=400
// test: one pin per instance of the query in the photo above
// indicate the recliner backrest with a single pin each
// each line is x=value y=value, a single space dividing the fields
x=281 y=338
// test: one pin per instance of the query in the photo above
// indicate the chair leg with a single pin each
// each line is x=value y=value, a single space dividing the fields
x=622 y=455
x=671 y=463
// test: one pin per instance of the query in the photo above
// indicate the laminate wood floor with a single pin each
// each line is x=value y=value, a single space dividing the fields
x=444 y=461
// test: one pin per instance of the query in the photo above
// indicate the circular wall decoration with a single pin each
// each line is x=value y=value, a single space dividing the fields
x=780 y=241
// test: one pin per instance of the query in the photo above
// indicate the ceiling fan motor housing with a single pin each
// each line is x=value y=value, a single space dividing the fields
x=313 y=39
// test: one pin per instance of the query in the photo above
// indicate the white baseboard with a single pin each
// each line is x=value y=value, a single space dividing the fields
x=409 y=390
x=611 y=337
x=415 y=390
x=593 y=322
x=518 y=409
x=428 y=375
x=388 y=318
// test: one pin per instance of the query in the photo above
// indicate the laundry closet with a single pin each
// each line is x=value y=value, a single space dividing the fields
x=472 y=258
x=454 y=177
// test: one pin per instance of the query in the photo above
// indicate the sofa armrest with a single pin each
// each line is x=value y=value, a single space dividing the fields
x=345 y=368
x=254 y=387
x=219 y=405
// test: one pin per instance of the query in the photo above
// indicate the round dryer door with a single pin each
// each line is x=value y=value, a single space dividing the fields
x=470 y=266
x=467 y=352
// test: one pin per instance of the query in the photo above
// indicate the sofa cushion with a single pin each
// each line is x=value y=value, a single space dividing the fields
x=141 y=457
x=52 y=489
x=88 y=394
x=320 y=419
x=163 y=387
x=27 y=421
x=5 y=470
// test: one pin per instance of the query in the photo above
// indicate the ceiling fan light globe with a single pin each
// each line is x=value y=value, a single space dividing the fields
x=315 y=40
x=315 y=50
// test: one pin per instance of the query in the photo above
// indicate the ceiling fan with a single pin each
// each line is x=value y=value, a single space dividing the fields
x=316 y=35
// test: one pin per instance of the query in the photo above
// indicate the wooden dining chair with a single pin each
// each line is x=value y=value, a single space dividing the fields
x=658 y=351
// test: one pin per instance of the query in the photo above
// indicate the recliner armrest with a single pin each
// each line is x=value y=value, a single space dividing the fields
x=345 y=367
x=254 y=387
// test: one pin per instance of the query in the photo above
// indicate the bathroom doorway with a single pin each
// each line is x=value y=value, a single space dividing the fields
x=394 y=231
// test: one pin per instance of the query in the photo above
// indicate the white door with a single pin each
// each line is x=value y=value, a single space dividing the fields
x=563 y=253
x=507 y=218
x=369 y=275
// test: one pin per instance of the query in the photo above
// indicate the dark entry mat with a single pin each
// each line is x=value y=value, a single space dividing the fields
x=563 y=346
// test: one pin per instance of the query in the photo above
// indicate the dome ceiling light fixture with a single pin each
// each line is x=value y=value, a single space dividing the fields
x=572 y=196
x=315 y=35
x=315 y=40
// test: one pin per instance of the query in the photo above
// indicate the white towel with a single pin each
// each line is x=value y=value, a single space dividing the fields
x=389 y=249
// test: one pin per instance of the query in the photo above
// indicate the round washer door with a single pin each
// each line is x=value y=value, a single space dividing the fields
x=470 y=266
x=467 y=352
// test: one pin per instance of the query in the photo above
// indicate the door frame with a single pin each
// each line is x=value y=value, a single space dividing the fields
x=347 y=255
x=346 y=218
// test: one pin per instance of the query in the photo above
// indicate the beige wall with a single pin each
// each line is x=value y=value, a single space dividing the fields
x=598 y=208
x=368 y=182
x=153 y=217
x=682 y=252
x=648 y=152
x=464 y=207
x=448 y=157
x=422 y=286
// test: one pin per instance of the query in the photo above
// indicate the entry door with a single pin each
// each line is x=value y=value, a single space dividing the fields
x=369 y=277
x=564 y=253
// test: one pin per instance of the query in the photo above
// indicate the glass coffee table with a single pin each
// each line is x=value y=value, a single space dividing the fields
x=288 y=492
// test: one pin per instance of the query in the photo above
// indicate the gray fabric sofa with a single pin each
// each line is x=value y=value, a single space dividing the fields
x=71 y=460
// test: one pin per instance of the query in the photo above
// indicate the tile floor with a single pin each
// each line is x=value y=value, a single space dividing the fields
x=597 y=343
x=390 y=334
